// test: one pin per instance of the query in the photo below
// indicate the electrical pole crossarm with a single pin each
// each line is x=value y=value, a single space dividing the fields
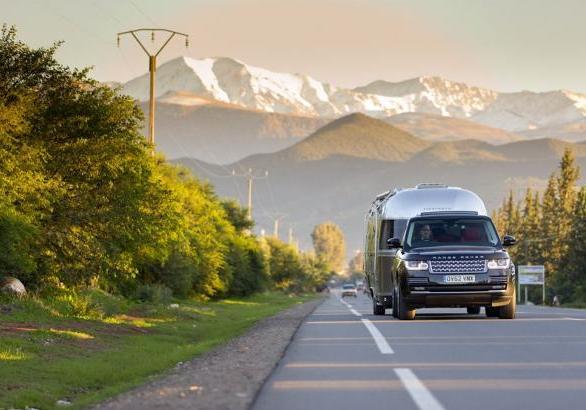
x=250 y=175
x=152 y=68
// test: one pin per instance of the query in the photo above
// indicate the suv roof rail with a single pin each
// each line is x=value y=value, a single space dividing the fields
x=444 y=213
x=428 y=185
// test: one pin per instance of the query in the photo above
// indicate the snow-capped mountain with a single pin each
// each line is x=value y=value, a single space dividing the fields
x=231 y=81
x=434 y=95
x=527 y=110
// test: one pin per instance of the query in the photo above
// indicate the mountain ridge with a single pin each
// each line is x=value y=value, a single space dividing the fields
x=232 y=81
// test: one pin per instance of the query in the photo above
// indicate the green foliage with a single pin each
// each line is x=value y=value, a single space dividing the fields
x=84 y=203
x=291 y=271
x=153 y=293
x=329 y=244
x=551 y=231
x=246 y=267
x=237 y=216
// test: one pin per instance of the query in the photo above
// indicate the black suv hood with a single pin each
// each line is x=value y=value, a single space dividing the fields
x=486 y=252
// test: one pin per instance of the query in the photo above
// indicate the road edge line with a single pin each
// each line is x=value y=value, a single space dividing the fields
x=417 y=390
x=379 y=339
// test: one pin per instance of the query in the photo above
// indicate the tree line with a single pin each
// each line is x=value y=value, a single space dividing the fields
x=551 y=230
x=83 y=202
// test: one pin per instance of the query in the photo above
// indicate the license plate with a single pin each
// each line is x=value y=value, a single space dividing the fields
x=459 y=279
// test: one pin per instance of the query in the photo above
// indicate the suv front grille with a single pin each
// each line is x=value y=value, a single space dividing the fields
x=458 y=266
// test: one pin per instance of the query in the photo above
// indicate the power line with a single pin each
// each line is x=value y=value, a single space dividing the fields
x=142 y=12
x=251 y=176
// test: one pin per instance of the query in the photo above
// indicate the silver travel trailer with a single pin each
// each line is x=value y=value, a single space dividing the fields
x=388 y=253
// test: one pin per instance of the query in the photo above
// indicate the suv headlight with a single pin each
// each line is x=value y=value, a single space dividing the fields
x=416 y=265
x=502 y=263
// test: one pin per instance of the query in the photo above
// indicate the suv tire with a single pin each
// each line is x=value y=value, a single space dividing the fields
x=508 y=311
x=403 y=311
x=491 y=311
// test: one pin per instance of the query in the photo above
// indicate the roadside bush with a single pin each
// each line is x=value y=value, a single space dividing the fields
x=84 y=204
x=153 y=294
x=246 y=267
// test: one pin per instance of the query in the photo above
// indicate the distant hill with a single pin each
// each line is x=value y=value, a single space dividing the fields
x=571 y=131
x=435 y=127
x=540 y=150
x=326 y=177
x=358 y=136
x=459 y=152
x=221 y=132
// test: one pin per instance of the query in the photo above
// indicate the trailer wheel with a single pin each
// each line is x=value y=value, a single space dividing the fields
x=377 y=310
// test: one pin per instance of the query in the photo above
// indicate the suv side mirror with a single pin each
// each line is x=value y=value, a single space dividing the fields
x=394 y=243
x=509 y=240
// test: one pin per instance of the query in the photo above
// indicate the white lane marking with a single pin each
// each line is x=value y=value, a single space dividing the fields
x=379 y=339
x=355 y=313
x=417 y=390
x=574 y=318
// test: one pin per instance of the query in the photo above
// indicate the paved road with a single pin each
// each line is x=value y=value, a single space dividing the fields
x=343 y=357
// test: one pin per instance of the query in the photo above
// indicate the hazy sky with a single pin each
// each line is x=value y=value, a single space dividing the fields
x=506 y=45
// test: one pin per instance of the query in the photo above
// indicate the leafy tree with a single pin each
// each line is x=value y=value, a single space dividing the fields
x=355 y=267
x=83 y=201
x=237 y=215
x=531 y=249
x=549 y=230
x=574 y=262
x=329 y=244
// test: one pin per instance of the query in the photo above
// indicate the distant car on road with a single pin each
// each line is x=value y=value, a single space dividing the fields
x=359 y=286
x=349 y=289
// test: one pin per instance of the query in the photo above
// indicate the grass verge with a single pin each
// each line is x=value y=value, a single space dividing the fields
x=87 y=347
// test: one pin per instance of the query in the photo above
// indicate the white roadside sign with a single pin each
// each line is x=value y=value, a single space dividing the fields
x=531 y=274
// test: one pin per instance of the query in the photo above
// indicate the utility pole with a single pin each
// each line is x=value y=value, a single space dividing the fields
x=152 y=67
x=276 y=228
x=290 y=238
x=251 y=176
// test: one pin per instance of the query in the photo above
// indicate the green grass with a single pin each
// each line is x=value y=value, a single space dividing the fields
x=87 y=347
x=574 y=305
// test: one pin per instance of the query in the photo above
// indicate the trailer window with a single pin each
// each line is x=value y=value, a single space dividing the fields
x=386 y=232
x=391 y=228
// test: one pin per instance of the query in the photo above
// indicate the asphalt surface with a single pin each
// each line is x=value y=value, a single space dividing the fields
x=343 y=357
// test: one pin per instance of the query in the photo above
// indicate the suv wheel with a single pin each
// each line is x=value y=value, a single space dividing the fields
x=491 y=311
x=508 y=311
x=473 y=310
x=403 y=311
x=377 y=310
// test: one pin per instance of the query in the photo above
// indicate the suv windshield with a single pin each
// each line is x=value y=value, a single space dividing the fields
x=349 y=286
x=450 y=231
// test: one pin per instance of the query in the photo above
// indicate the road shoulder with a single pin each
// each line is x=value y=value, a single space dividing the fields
x=226 y=378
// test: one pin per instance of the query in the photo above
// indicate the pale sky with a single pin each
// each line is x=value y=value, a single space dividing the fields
x=506 y=45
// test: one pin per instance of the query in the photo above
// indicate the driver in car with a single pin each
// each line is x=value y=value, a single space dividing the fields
x=425 y=233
